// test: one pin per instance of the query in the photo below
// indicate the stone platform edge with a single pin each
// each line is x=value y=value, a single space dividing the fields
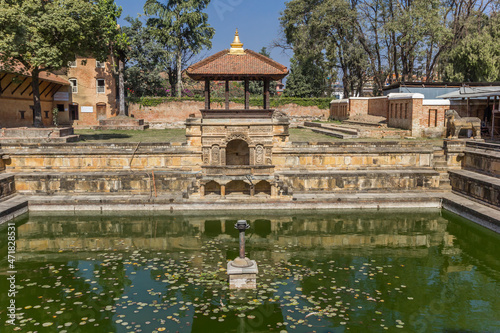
x=480 y=214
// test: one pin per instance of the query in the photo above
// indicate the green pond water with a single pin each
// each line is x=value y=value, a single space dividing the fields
x=396 y=271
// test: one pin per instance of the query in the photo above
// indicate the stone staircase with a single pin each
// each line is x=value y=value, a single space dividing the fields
x=441 y=166
x=332 y=130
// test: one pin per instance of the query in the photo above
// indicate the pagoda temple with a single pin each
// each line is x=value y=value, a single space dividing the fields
x=237 y=144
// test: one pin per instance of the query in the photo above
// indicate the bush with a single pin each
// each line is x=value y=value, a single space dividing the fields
x=320 y=102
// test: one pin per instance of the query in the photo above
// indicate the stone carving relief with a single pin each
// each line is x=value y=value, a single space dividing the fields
x=238 y=136
x=259 y=154
x=206 y=156
x=212 y=129
x=215 y=155
x=262 y=129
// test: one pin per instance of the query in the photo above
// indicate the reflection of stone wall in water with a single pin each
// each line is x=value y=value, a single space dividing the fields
x=188 y=232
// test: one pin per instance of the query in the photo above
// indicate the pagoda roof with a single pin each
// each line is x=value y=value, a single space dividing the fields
x=226 y=66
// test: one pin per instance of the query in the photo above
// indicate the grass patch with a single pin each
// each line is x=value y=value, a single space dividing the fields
x=116 y=136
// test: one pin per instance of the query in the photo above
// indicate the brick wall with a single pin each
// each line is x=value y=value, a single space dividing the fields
x=401 y=112
x=358 y=106
x=378 y=106
x=175 y=113
x=339 y=109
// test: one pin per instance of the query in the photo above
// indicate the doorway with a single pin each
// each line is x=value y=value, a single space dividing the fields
x=73 y=112
x=101 y=111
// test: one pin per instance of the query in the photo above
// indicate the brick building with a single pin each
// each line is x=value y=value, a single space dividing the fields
x=92 y=95
x=16 y=97
x=410 y=111
x=83 y=95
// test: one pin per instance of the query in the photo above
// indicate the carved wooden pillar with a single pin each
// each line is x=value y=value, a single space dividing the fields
x=266 y=93
x=227 y=94
x=247 y=94
x=207 y=94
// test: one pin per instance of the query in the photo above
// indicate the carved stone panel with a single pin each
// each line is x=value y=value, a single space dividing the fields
x=215 y=155
x=262 y=130
x=206 y=156
x=259 y=155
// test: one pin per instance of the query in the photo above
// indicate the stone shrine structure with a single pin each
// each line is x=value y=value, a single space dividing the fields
x=237 y=144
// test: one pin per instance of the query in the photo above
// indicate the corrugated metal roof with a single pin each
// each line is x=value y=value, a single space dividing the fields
x=472 y=92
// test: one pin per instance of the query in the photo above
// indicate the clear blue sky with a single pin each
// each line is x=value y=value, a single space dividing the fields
x=256 y=20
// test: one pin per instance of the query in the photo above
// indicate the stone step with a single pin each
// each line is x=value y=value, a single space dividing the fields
x=27 y=140
x=476 y=186
x=484 y=215
x=440 y=164
x=13 y=207
x=330 y=133
x=341 y=129
x=120 y=127
x=362 y=123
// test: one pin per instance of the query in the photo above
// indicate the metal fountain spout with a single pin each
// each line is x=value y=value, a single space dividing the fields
x=242 y=272
x=242 y=260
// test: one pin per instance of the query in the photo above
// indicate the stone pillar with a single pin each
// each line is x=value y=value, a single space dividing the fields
x=202 y=190
x=207 y=94
x=223 y=190
x=227 y=94
x=247 y=94
x=266 y=93
x=274 y=191
x=222 y=156
x=251 y=159
x=252 y=190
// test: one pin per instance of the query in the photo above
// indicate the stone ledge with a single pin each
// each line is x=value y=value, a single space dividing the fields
x=483 y=215
x=476 y=185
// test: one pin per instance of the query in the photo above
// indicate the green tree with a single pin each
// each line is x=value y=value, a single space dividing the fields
x=146 y=60
x=46 y=35
x=117 y=42
x=257 y=87
x=476 y=58
x=324 y=31
x=182 y=26
x=306 y=79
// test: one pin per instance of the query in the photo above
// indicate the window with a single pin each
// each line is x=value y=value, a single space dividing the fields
x=406 y=110
x=99 y=64
x=74 y=85
x=22 y=114
x=72 y=63
x=60 y=107
x=101 y=88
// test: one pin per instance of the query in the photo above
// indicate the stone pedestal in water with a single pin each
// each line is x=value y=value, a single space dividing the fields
x=242 y=277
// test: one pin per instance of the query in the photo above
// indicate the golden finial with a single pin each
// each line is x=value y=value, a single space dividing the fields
x=237 y=45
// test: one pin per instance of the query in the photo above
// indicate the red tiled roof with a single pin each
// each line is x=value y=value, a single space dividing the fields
x=223 y=65
x=47 y=76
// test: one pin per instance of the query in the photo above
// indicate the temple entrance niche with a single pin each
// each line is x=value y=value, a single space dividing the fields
x=237 y=153
x=212 y=187
x=237 y=187
x=263 y=187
